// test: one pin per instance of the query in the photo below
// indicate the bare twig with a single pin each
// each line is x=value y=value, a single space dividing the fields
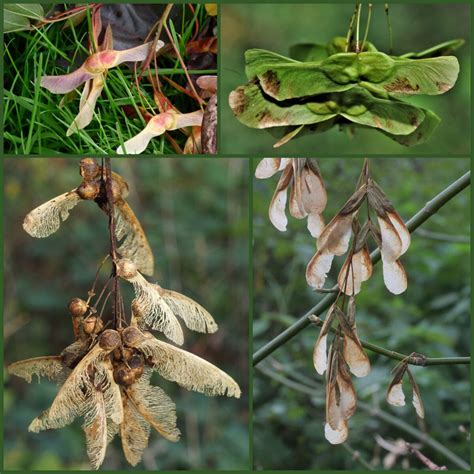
x=417 y=359
x=427 y=462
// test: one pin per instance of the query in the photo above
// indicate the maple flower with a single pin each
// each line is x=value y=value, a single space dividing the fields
x=307 y=196
x=92 y=74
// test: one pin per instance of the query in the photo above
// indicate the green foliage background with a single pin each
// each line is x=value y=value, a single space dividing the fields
x=432 y=318
x=278 y=26
x=195 y=214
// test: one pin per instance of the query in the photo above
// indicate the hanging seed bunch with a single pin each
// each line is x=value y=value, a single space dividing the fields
x=46 y=219
x=395 y=395
x=347 y=84
x=382 y=223
x=345 y=356
x=104 y=374
x=307 y=196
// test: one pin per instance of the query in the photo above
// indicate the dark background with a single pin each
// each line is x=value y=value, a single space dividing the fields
x=195 y=214
x=276 y=27
x=432 y=317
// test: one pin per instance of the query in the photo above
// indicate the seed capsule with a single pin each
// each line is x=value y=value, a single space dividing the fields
x=126 y=268
x=77 y=307
x=89 y=168
x=124 y=376
x=88 y=190
x=131 y=335
x=109 y=340
x=92 y=325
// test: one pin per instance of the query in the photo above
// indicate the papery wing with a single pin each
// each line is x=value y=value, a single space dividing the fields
x=134 y=432
x=267 y=167
x=134 y=244
x=70 y=402
x=193 y=314
x=186 y=369
x=151 y=308
x=155 y=407
x=95 y=428
x=46 y=219
x=51 y=367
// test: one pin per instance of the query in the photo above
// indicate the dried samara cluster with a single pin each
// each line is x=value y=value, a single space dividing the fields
x=344 y=234
x=104 y=375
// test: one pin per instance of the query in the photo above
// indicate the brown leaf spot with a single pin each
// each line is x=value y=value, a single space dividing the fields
x=443 y=87
x=270 y=82
x=401 y=84
x=238 y=101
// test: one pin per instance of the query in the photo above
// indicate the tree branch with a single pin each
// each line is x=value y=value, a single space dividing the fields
x=429 y=209
x=417 y=359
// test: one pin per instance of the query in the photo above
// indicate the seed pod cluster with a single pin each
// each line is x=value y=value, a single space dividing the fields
x=307 y=193
x=346 y=355
x=386 y=228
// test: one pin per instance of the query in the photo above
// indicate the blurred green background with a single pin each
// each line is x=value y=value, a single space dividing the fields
x=432 y=317
x=278 y=26
x=195 y=214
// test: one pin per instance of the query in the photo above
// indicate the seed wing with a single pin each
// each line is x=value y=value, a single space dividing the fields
x=51 y=367
x=155 y=407
x=187 y=369
x=193 y=314
x=284 y=78
x=46 y=219
x=134 y=243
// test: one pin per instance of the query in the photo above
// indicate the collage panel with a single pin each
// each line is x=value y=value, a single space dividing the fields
x=359 y=365
x=323 y=76
x=110 y=78
x=172 y=398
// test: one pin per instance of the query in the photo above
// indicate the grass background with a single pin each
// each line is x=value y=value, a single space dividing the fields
x=278 y=26
x=432 y=318
x=195 y=214
x=34 y=123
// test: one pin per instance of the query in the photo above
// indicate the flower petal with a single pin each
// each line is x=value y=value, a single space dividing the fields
x=67 y=82
x=318 y=268
x=394 y=277
x=267 y=168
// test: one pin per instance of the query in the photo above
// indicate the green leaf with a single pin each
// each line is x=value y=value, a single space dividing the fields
x=254 y=109
x=16 y=16
x=339 y=45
